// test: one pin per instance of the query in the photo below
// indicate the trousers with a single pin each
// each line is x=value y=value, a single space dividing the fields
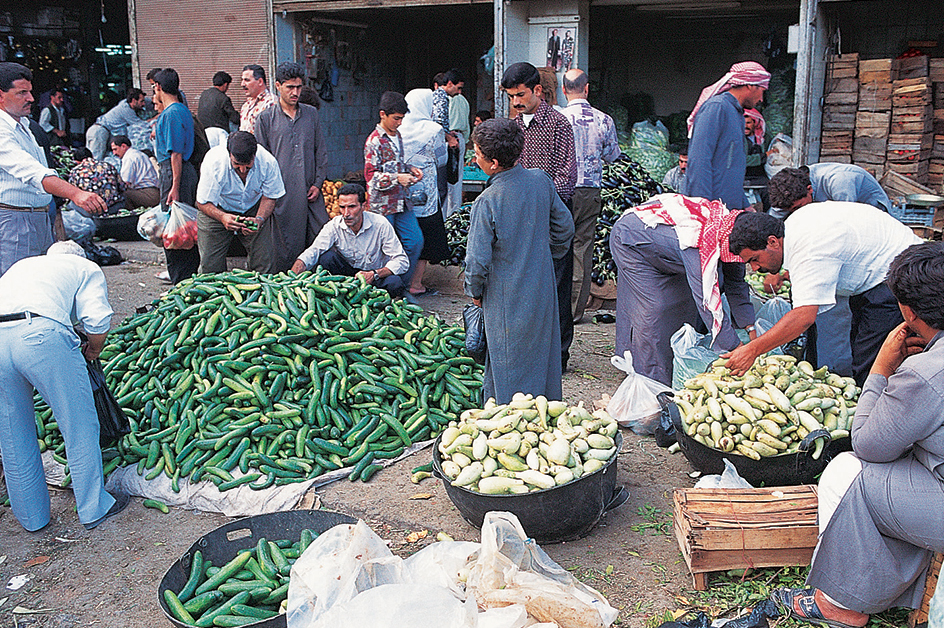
x=411 y=237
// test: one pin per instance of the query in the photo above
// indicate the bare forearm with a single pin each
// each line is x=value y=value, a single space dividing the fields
x=266 y=207
x=176 y=168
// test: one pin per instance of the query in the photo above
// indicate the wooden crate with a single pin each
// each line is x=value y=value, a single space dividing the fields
x=876 y=169
x=842 y=66
x=912 y=67
x=896 y=184
x=721 y=529
x=936 y=70
x=877 y=71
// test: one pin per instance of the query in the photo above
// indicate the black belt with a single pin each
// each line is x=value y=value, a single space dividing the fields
x=6 y=318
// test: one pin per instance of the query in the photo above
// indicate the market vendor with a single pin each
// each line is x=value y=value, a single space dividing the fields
x=358 y=244
x=44 y=296
x=96 y=176
x=880 y=505
x=674 y=264
x=239 y=184
x=831 y=249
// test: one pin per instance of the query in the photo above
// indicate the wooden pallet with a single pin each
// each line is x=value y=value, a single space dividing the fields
x=721 y=529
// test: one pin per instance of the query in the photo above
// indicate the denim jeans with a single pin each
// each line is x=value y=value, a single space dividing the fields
x=411 y=237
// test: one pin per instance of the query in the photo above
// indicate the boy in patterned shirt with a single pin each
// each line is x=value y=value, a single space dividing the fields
x=389 y=177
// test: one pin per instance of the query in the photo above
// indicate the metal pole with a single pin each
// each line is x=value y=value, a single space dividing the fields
x=501 y=104
x=802 y=103
x=133 y=35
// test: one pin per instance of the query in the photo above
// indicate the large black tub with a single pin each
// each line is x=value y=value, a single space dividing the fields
x=222 y=545
x=554 y=515
x=782 y=470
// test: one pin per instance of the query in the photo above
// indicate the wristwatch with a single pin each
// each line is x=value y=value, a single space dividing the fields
x=749 y=328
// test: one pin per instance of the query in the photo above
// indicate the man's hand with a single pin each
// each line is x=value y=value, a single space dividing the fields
x=299 y=267
x=740 y=359
x=244 y=224
x=92 y=347
x=173 y=195
x=313 y=192
x=417 y=174
x=406 y=179
x=90 y=202
x=477 y=302
x=59 y=133
x=898 y=345
x=368 y=275
x=451 y=140
x=773 y=282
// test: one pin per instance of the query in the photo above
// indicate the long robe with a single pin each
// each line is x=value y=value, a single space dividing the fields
x=716 y=158
x=299 y=148
x=518 y=226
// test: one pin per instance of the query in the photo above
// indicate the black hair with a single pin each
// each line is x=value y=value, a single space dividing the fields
x=10 y=72
x=133 y=94
x=916 y=278
x=288 y=70
x=242 y=146
x=152 y=73
x=751 y=230
x=222 y=78
x=258 y=72
x=683 y=149
x=484 y=114
x=120 y=140
x=439 y=80
x=577 y=85
x=501 y=139
x=354 y=188
x=169 y=81
x=393 y=102
x=788 y=186
x=81 y=154
x=520 y=73
x=309 y=96
x=453 y=76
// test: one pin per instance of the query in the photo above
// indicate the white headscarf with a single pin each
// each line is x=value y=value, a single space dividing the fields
x=418 y=127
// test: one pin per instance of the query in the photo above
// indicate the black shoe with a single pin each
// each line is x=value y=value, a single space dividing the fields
x=122 y=500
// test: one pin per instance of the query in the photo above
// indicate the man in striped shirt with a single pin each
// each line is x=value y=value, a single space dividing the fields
x=26 y=181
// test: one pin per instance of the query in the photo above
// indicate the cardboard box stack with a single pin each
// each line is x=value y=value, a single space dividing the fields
x=873 y=117
x=839 y=108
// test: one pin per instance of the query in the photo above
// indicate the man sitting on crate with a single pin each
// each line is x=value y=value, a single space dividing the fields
x=239 y=184
x=880 y=506
x=358 y=244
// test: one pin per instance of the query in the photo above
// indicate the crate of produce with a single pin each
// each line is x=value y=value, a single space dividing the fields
x=226 y=542
x=722 y=529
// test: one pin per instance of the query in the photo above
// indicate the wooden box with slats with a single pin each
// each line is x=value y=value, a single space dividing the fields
x=722 y=529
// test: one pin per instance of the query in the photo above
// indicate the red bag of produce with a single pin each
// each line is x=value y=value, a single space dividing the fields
x=180 y=232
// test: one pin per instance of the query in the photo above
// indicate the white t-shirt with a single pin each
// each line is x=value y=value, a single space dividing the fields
x=220 y=183
x=137 y=170
x=839 y=248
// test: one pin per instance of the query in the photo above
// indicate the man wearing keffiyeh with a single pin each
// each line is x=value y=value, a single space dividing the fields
x=716 y=157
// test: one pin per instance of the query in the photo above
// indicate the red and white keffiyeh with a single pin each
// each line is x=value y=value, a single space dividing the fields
x=698 y=223
x=743 y=73
x=760 y=127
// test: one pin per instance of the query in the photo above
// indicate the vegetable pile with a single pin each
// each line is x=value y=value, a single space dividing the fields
x=527 y=445
x=770 y=409
x=329 y=189
x=756 y=282
x=249 y=588
x=457 y=232
x=279 y=377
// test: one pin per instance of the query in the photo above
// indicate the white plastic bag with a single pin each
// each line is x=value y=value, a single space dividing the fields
x=730 y=478
x=634 y=405
x=779 y=155
x=180 y=232
x=78 y=226
x=151 y=225
x=691 y=354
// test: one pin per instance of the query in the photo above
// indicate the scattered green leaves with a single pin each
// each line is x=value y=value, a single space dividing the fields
x=655 y=521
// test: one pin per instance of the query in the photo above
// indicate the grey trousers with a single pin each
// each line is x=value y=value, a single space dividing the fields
x=587 y=206
x=214 y=242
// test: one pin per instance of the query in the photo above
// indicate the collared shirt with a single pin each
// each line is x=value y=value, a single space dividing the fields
x=99 y=177
x=383 y=161
x=839 y=249
x=253 y=107
x=66 y=288
x=459 y=111
x=119 y=118
x=137 y=171
x=595 y=141
x=49 y=124
x=174 y=133
x=376 y=245
x=549 y=145
x=215 y=109
x=221 y=185
x=675 y=179
x=22 y=165
x=847 y=182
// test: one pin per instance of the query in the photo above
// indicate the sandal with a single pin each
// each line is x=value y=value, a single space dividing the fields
x=427 y=292
x=789 y=600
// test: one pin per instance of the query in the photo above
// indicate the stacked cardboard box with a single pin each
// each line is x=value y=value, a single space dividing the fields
x=910 y=138
x=873 y=116
x=839 y=108
x=936 y=165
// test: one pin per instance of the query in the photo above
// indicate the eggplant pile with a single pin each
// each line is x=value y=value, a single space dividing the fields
x=457 y=232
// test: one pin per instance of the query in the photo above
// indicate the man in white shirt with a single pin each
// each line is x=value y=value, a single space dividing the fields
x=26 y=182
x=115 y=121
x=358 y=244
x=53 y=121
x=43 y=297
x=831 y=249
x=137 y=173
x=239 y=184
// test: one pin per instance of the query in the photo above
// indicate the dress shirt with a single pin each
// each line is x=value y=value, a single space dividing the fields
x=66 y=288
x=119 y=118
x=46 y=121
x=459 y=111
x=253 y=107
x=549 y=145
x=137 y=171
x=595 y=141
x=221 y=185
x=376 y=245
x=22 y=165
x=847 y=182
x=839 y=249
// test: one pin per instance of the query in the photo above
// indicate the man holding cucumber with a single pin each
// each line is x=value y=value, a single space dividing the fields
x=831 y=249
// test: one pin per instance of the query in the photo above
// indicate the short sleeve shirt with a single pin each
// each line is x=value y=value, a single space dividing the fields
x=221 y=185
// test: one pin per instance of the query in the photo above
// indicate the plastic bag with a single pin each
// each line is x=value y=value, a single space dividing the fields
x=103 y=255
x=111 y=418
x=78 y=227
x=634 y=405
x=474 y=319
x=180 y=232
x=779 y=155
x=151 y=225
x=692 y=354
x=649 y=147
x=730 y=478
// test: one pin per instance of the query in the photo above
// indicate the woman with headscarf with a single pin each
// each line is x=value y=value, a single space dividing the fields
x=673 y=262
x=424 y=146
